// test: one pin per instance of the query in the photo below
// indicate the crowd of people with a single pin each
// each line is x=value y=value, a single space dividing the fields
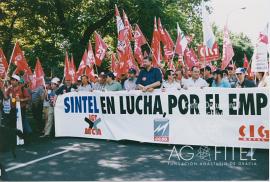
x=41 y=101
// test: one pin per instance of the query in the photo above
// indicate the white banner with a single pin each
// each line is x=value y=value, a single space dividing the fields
x=209 y=116
x=259 y=58
x=19 y=122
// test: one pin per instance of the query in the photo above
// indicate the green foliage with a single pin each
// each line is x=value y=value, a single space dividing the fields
x=241 y=45
x=45 y=29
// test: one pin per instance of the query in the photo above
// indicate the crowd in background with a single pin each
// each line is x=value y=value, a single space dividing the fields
x=41 y=101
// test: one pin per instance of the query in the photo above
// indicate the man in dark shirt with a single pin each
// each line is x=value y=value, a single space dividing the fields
x=208 y=75
x=242 y=81
x=149 y=78
x=67 y=87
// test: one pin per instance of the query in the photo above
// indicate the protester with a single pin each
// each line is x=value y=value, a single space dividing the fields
x=242 y=81
x=16 y=93
x=219 y=81
x=179 y=77
x=231 y=76
x=130 y=83
x=195 y=80
x=37 y=106
x=95 y=79
x=51 y=97
x=261 y=79
x=170 y=83
x=79 y=81
x=86 y=85
x=149 y=78
x=46 y=103
x=66 y=88
x=1 y=99
x=208 y=75
x=100 y=85
x=111 y=83
x=225 y=75
x=122 y=79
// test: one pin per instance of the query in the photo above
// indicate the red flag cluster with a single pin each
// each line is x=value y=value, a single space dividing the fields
x=3 y=64
x=17 y=58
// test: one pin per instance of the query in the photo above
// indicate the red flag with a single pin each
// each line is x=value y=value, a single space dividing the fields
x=155 y=45
x=161 y=31
x=72 y=70
x=3 y=64
x=18 y=58
x=166 y=40
x=171 y=65
x=178 y=47
x=100 y=49
x=139 y=41
x=168 y=47
x=127 y=25
x=114 y=63
x=89 y=71
x=245 y=64
x=263 y=37
x=90 y=56
x=82 y=65
x=67 y=74
x=190 y=58
x=120 y=30
x=38 y=76
x=227 y=49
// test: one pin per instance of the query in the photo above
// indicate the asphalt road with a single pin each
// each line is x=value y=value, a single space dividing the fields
x=72 y=159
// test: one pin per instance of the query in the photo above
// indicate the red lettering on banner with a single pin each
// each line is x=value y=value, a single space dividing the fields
x=92 y=131
x=249 y=134
x=211 y=54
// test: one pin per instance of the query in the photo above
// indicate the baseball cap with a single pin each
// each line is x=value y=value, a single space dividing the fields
x=102 y=74
x=16 y=77
x=240 y=70
x=55 y=80
x=132 y=70
x=110 y=74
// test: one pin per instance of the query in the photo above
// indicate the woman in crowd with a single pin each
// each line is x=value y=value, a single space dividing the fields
x=170 y=82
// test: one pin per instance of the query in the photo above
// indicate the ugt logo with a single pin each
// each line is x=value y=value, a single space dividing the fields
x=253 y=134
x=161 y=130
x=93 y=121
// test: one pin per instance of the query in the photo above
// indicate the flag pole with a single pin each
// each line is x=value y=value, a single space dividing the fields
x=151 y=50
x=204 y=43
x=10 y=59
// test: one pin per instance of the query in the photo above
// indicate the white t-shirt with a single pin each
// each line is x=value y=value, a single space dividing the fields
x=174 y=85
x=199 y=83
x=87 y=88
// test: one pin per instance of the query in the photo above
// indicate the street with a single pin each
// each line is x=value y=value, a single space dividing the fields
x=70 y=159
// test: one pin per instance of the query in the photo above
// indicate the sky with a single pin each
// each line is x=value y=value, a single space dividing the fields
x=250 y=21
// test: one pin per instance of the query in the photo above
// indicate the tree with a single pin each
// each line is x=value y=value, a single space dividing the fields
x=45 y=29
x=241 y=45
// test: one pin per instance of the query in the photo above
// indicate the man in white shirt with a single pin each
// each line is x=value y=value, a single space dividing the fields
x=195 y=80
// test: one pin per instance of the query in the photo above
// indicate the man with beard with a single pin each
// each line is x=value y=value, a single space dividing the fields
x=149 y=78
x=130 y=83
